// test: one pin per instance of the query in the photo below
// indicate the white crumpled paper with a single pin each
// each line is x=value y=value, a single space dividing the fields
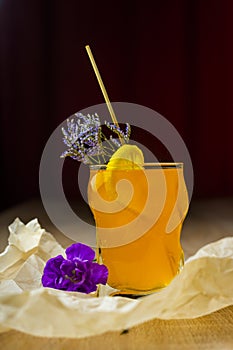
x=204 y=286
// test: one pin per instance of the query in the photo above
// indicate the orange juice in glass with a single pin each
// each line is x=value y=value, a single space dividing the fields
x=139 y=214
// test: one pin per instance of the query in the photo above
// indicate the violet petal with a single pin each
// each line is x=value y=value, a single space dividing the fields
x=67 y=268
x=53 y=264
x=81 y=251
x=99 y=273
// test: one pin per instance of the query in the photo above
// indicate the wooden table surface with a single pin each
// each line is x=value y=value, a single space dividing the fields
x=207 y=221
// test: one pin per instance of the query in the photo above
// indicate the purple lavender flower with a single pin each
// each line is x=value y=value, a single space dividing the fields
x=77 y=273
x=86 y=141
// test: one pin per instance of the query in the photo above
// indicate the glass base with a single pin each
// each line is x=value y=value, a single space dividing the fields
x=132 y=294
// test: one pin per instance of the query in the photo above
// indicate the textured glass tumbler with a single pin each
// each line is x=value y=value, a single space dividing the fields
x=139 y=215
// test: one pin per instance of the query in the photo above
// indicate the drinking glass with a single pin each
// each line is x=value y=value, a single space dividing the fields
x=139 y=214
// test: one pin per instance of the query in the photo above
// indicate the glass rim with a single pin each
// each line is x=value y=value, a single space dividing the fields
x=155 y=165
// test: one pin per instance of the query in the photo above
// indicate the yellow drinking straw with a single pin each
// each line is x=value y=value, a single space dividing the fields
x=102 y=87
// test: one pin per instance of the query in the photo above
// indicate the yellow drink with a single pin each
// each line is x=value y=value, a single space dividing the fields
x=138 y=224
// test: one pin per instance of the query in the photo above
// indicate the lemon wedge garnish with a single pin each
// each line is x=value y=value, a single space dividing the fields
x=126 y=157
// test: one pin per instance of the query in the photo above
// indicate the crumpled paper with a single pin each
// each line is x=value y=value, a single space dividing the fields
x=205 y=285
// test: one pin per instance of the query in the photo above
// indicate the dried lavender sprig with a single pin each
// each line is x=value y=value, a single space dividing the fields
x=115 y=142
x=122 y=134
x=86 y=141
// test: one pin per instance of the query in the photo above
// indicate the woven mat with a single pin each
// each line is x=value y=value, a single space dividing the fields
x=213 y=332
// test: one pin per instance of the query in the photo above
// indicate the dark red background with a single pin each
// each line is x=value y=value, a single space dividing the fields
x=175 y=57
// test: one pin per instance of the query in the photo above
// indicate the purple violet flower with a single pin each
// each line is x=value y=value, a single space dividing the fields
x=77 y=273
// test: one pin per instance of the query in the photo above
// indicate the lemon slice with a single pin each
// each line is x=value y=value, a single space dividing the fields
x=126 y=157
